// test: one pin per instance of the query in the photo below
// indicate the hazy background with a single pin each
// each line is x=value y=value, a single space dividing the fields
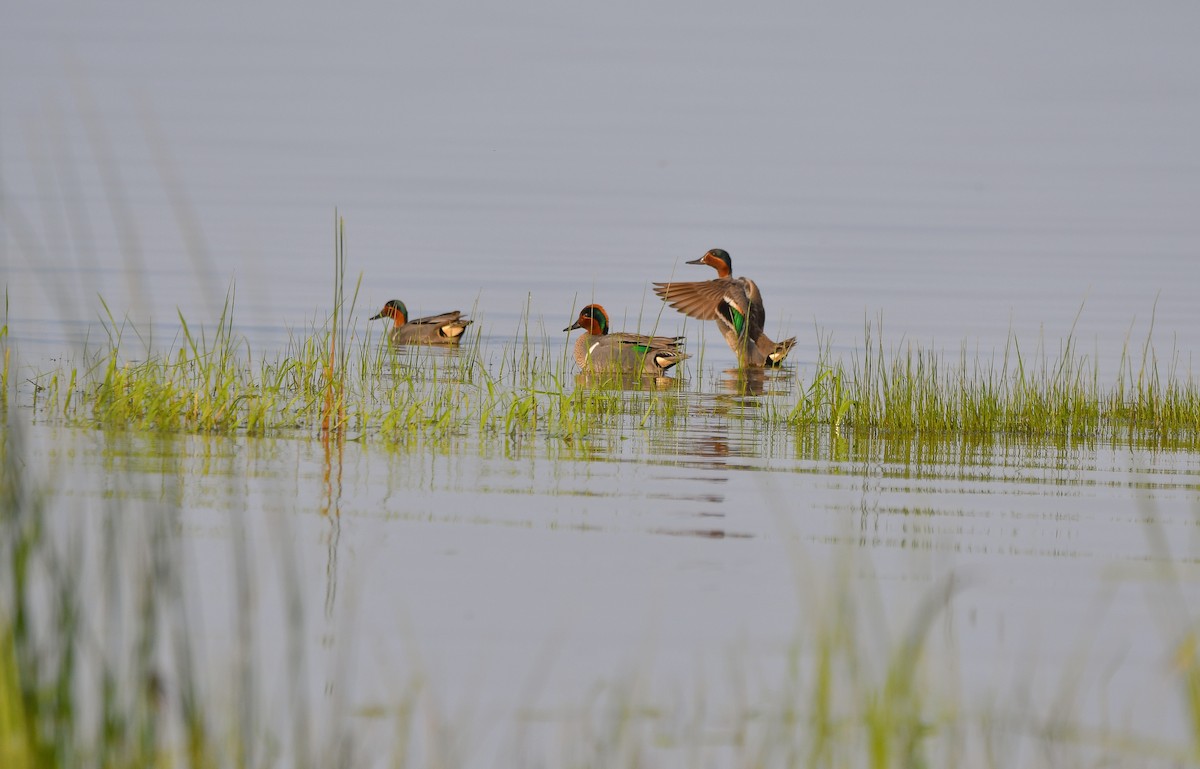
x=961 y=170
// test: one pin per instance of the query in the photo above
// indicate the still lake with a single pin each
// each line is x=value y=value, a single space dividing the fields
x=965 y=174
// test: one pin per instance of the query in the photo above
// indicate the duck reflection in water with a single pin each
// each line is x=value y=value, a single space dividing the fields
x=618 y=380
x=757 y=381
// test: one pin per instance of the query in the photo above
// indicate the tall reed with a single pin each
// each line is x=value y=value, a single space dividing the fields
x=6 y=352
x=333 y=412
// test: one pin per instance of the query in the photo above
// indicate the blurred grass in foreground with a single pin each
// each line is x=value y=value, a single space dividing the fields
x=99 y=667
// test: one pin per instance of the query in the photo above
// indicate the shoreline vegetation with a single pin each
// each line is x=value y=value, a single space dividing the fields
x=339 y=379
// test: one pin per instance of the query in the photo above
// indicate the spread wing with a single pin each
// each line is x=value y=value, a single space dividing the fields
x=699 y=299
x=736 y=301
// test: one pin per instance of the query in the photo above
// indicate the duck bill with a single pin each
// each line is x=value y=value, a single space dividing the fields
x=376 y=316
x=573 y=326
x=696 y=261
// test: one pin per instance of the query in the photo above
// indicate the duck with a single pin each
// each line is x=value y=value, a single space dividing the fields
x=601 y=350
x=446 y=328
x=735 y=304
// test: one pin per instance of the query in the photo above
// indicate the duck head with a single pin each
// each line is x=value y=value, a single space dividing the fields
x=395 y=310
x=718 y=259
x=592 y=319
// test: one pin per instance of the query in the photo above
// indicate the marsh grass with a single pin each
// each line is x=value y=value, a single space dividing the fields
x=98 y=666
x=333 y=409
x=917 y=392
x=850 y=702
x=6 y=354
x=91 y=647
x=335 y=379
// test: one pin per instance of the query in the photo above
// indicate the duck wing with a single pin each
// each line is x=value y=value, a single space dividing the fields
x=665 y=342
x=696 y=299
x=438 y=320
x=756 y=313
x=653 y=354
x=739 y=312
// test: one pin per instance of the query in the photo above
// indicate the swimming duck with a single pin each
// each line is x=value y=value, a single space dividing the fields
x=735 y=304
x=600 y=350
x=446 y=328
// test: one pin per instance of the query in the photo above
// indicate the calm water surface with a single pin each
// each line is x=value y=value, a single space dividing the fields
x=513 y=583
x=963 y=174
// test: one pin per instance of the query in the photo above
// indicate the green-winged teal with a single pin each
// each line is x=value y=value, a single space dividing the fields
x=735 y=304
x=446 y=328
x=601 y=350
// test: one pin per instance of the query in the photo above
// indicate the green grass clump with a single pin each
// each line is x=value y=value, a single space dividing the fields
x=334 y=379
x=916 y=393
x=204 y=387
